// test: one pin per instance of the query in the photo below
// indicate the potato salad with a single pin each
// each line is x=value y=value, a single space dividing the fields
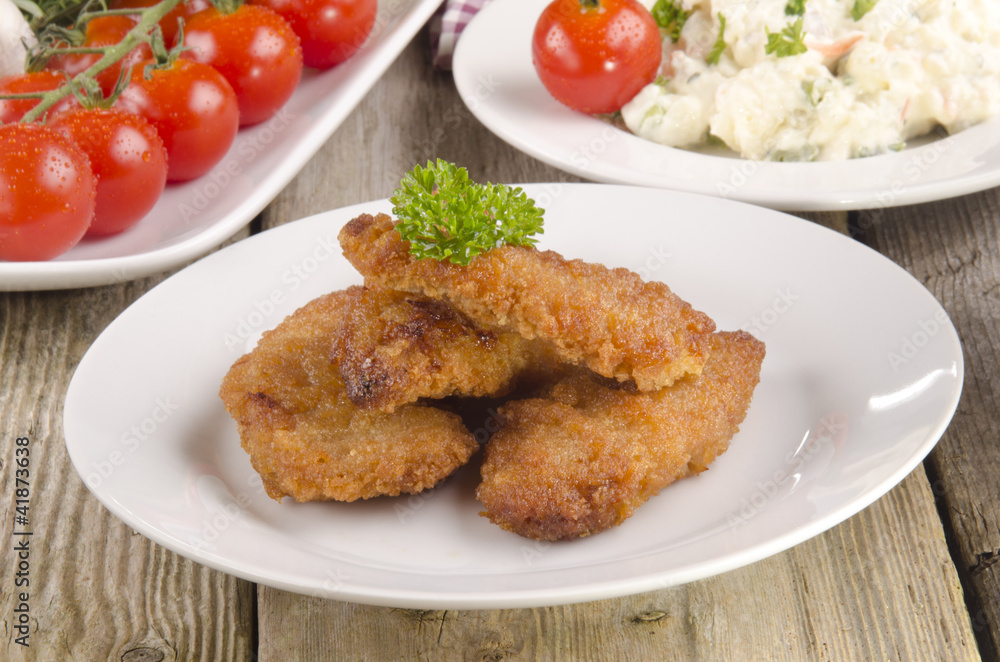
x=804 y=80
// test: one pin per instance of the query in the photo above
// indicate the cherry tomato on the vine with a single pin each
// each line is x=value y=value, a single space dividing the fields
x=12 y=110
x=255 y=49
x=168 y=24
x=102 y=31
x=330 y=30
x=595 y=55
x=193 y=109
x=127 y=158
x=47 y=192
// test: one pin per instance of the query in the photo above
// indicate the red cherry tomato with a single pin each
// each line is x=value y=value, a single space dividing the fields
x=193 y=109
x=255 y=49
x=595 y=55
x=102 y=31
x=128 y=160
x=12 y=110
x=46 y=192
x=330 y=30
x=168 y=24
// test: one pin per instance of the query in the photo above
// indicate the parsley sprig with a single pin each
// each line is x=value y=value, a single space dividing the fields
x=446 y=216
x=795 y=8
x=862 y=7
x=720 y=42
x=790 y=41
x=670 y=17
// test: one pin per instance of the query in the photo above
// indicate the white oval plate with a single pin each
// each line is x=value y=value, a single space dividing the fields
x=862 y=375
x=194 y=217
x=497 y=81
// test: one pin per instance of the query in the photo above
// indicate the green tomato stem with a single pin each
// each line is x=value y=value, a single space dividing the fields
x=81 y=50
x=83 y=18
x=227 y=6
x=25 y=95
x=137 y=35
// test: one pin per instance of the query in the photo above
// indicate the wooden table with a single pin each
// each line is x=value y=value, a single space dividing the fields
x=913 y=577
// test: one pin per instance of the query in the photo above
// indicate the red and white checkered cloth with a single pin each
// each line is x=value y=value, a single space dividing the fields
x=447 y=24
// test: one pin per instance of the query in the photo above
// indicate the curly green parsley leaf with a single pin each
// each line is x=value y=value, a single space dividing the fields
x=446 y=216
x=795 y=8
x=862 y=7
x=720 y=43
x=670 y=17
x=790 y=41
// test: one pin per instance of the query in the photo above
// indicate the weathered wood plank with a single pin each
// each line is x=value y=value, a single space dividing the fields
x=386 y=136
x=855 y=592
x=829 y=219
x=98 y=590
x=952 y=247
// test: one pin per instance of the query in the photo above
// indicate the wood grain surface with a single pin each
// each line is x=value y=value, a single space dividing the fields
x=98 y=591
x=895 y=582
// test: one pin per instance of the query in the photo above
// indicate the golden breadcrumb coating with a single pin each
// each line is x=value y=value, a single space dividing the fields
x=609 y=320
x=582 y=457
x=397 y=347
x=309 y=442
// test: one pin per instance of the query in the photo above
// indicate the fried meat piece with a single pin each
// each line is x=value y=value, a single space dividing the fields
x=308 y=441
x=609 y=320
x=582 y=457
x=396 y=348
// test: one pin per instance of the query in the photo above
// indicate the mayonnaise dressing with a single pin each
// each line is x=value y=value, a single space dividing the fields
x=861 y=87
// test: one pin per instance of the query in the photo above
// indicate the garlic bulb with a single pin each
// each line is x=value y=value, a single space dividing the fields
x=15 y=39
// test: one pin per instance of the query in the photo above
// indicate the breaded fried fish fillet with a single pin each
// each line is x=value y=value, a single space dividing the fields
x=609 y=320
x=582 y=457
x=309 y=442
x=395 y=348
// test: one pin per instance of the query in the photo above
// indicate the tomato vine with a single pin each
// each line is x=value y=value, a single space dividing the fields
x=85 y=80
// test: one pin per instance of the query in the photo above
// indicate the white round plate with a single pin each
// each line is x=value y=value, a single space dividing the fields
x=497 y=81
x=192 y=218
x=862 y=375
